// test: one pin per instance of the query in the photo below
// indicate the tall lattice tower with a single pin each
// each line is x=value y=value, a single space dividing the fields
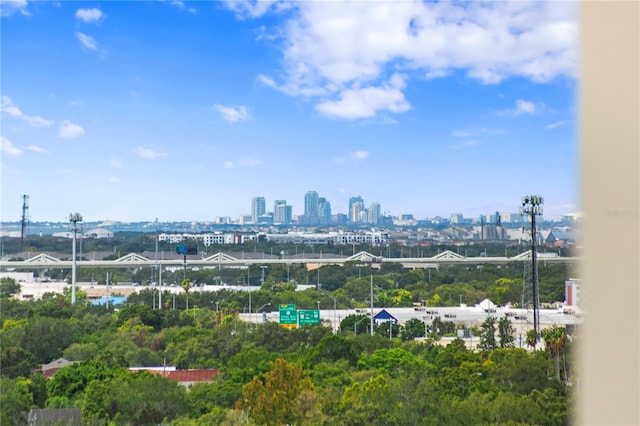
x=527 y=302
x=25 y=219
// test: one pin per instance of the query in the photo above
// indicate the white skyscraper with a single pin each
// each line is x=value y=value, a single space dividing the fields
x=374 y=213
x=258 y=208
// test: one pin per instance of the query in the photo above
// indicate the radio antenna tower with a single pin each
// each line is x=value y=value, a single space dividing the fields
x=25 y=219
x=532 y=207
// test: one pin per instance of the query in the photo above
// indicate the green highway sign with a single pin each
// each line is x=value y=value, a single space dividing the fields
x=288 y=316
x=308 y=317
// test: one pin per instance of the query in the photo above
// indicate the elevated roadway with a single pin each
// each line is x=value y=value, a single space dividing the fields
x=222 y=260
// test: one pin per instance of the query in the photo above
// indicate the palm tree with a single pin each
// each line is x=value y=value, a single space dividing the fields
x=555 y=340
x=186 y=286
x=532 y=338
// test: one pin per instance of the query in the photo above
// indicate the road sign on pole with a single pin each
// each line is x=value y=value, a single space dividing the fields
x=308 y=317
x=288 y=316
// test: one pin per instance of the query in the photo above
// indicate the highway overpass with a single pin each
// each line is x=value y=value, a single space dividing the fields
x=221 y=260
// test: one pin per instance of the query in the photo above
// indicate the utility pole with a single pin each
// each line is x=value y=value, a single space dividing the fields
x=108 y=290
x=371 y=305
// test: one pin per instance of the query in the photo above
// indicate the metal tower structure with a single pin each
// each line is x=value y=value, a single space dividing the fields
x=532 y=206
x=74 y=218
x=25 y=219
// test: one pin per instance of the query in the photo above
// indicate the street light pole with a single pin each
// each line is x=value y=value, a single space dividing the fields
x=260 y=308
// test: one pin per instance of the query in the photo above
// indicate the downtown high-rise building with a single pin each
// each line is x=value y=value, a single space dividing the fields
x=258 y=208
x=311 y=205
x=356 y=208
x=282 y=213
x=374 y=213
x=324 y=210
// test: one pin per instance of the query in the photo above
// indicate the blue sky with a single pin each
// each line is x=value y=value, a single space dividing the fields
x=130 y=111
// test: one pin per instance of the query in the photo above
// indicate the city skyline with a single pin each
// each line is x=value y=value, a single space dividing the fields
x=282 y=213
x=427 y=109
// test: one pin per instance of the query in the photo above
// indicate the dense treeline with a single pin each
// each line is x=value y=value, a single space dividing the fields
x=268 y=374
x=446 y=285
x=395 y=286
x=145 y=243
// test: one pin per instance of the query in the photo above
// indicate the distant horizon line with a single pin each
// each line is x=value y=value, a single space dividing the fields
x=213 y=221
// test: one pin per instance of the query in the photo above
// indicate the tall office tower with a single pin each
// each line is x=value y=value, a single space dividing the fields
x=374 y=213
x=288 y=214
x=311 y=204
x=257 y=208
x=507 y=217
x=492 y=218
x=280 y=211
x=456 y=218
x=355 y=214
x=324 y=210
x=352 y=201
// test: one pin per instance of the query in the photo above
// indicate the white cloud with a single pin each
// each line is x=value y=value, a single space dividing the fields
x=149 y=154
x=360 y=155
x=115 y=179
x=556 y=124
x=232 y=114
x=180 y=5
x=76 y=103
x=7 y=147
x=523 y=107
x=89 y=15
x=268 y=34
x=388 y=120
x=367 y=102
x=465 y=144
x=87 y=41
x=38 y=149
x=332 y=50
x=7 y=106
x=249 y=162
x=69 y=130
x=244 y=162
x=116 y=163
x=252 y=8
x=460 y=133
x=8 y=7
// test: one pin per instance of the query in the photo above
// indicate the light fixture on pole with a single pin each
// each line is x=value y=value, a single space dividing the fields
x=532 y=206
x=264 y=315
x=74 y=218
